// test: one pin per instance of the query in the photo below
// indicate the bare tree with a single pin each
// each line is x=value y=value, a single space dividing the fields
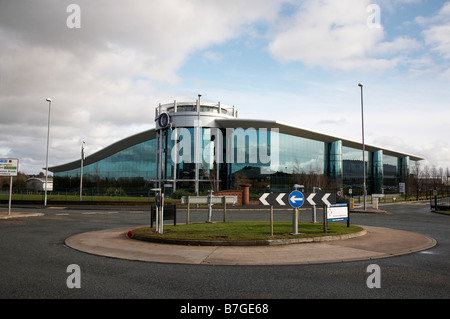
x=426 y=179
x=416 y=175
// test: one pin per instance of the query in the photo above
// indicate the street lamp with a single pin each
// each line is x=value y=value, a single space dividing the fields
x=364 y=147
x=81 y=171
x=197 y=148
x=46 y=159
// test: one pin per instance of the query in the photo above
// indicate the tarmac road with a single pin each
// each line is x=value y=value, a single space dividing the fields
x=34 y=261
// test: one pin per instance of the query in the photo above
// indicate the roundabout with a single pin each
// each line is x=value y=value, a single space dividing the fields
x=369 y=244
x=245 y=234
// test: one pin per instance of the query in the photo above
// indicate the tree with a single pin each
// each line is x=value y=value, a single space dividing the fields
x=426 y=180
x=416 y=179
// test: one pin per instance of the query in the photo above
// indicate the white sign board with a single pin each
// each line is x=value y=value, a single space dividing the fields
x=9 y=167
x=402 y=188
x=207 y=200
x=337 y=212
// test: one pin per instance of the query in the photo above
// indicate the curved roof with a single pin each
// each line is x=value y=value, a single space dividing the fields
x=228 y=123
x=296 y=131
x=107 y=151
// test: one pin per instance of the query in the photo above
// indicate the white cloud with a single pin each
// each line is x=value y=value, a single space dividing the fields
x=400 y=45
x=330 y=34
x=106 y=77
x=437 y=31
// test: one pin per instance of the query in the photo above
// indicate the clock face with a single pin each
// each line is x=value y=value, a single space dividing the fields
x=163 y=120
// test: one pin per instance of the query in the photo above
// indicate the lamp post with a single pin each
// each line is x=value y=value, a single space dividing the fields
x=46 y=159
x=364 y=147
x=197 y=149
x=81 y=171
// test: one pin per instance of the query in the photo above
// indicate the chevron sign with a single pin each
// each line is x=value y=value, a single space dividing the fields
x=281 y=200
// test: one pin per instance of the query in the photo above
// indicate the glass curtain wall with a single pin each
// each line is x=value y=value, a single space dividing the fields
x=390 y=178
x=126 y=172
x=352 y=172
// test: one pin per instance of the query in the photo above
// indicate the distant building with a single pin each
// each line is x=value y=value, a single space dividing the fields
x=37 y=184
x=201 y=146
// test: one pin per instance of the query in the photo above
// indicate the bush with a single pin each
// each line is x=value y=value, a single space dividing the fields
x=180 y=193
x=114 y=191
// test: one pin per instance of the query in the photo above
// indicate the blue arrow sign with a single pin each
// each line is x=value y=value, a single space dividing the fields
x=296 y=199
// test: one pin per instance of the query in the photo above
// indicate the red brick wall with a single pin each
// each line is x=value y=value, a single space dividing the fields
x=237 y=193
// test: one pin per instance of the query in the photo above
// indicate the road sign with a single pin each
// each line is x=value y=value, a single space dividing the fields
x=337 y=212
x=9 y=167
x=296 y=199
x=320 y=199
x=273 y=199
x=208 y=199
x=281 y=200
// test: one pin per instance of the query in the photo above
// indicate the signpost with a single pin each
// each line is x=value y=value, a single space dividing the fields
x=9 y=167
x=159 y=203
x=297 y=199
x=282 y=200
x=210 y=200
x=336 y=213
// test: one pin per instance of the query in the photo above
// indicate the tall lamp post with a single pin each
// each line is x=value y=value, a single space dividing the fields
x=197 y=148
x=364 y=146
x=46 y=159
x=81 y=171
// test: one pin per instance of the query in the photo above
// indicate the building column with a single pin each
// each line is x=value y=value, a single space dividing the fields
x=376 y=172
x=403 y=168
x=333 y=160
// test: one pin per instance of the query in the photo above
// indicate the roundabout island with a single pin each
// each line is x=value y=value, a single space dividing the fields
x=141 y=244
x=255 y=233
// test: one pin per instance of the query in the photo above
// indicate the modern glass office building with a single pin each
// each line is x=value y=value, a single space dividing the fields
x=202 y=146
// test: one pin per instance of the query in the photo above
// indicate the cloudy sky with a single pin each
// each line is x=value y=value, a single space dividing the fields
x=107 y=64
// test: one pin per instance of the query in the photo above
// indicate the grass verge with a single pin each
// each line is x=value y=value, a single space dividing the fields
x=235 y=231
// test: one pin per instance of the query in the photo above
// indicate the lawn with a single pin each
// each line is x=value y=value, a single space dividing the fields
x=233 y=231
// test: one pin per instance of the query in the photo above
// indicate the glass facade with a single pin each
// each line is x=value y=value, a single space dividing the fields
x=390 y=178
x=219 y=158
x=262 y=158
x=127 y=171
x=352 y=172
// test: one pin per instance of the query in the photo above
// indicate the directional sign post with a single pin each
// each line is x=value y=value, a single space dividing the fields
x=282 y=200
x=296 y=200
x=313 y=204
x=9 y=167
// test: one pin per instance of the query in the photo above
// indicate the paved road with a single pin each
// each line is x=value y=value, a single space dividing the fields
x=33 y=263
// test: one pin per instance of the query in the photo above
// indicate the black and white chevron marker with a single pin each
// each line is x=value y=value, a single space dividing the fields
x=274 y=199
x=281 y=200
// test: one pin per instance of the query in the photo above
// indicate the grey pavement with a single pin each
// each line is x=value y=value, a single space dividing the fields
x=373 y=243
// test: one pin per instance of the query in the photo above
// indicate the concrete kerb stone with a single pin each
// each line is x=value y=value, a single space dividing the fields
x=4 y=215
x=268 y=242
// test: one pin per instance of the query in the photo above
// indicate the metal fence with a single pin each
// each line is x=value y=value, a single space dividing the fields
x=440 y=203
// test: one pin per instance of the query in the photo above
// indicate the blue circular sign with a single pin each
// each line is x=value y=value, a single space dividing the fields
x=296 y=199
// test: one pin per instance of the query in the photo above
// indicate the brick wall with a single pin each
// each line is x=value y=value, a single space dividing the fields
x=237 y=193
